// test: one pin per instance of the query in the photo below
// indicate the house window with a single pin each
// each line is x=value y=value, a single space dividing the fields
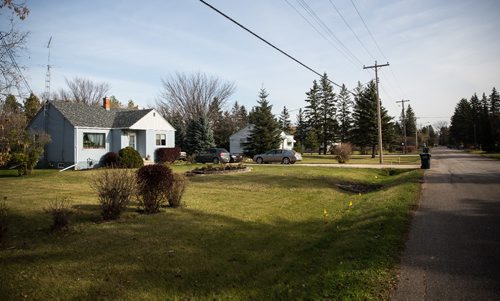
x=94 y=140
x=161 y=139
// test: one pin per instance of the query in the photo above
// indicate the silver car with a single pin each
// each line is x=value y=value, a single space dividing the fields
x=284 y=156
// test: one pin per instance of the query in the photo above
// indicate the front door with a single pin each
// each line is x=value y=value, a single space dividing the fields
x=132 y=140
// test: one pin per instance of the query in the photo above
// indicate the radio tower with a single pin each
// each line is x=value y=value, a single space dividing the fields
x=46 y=94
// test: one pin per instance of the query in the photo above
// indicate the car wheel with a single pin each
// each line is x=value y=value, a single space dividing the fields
x=259 y=160
x=216 y=160
x=286 y=160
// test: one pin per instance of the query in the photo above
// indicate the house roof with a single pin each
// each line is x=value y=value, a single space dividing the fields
x=83 y=115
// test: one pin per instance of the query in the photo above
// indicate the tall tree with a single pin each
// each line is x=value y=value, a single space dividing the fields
x=344 y=110
x=284 y=120
x=11 y=46
x=327 y=111
x=365 y=125
x=301 y=129
x=494 y=100
x=199 y=135
x=462 y=128
x=11 y=105
x=31 y=106
x=84 y=90
x=265 y=134
x=410 y=123
x=312 y=112
x=194 y=95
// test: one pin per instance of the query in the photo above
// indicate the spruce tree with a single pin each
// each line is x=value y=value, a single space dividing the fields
x=31 y=106
x=265 y=134
x=461 y=128
x=344 y=114
x=301 y=129
x=284 y=120
x=311 y=113
x=327 y=112
x=365 y=126
x=411 y=124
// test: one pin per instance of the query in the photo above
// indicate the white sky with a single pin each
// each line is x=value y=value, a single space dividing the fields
x=439 y=51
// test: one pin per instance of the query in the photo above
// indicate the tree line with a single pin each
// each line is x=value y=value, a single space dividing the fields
x=476 y=122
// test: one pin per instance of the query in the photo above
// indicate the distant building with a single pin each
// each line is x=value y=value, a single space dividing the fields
x=237 y=140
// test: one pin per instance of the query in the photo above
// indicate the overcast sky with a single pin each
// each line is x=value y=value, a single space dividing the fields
x=439 y=51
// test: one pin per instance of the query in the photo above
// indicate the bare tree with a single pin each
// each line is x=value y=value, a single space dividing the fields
x=84 y=90
x=12 y=42
x=194 y=95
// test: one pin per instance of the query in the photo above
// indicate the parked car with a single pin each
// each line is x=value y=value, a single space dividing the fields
x=284 y=156
x=213 y=155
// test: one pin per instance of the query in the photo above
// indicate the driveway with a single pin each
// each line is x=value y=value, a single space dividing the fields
x=453 y=249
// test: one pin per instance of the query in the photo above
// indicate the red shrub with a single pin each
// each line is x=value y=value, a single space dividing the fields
x=153 y=184
x=167 y=154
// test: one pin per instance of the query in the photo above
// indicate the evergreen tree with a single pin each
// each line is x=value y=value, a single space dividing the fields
x=11 y=105
x=207 y=134
x=311 y=142
x=193 y=137
x=365 y=125
x=410 y=123
x=494 y=100
x=462 y=128
x=344 y=114
x=311 y=113
x=31 y=106
x=327 y=112
x=284 y=120
x=265 y=134
x=301 y=132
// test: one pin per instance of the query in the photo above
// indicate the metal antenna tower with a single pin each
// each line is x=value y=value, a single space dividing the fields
x=46 y=94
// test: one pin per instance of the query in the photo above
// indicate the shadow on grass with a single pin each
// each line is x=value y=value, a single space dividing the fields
x=187 y=253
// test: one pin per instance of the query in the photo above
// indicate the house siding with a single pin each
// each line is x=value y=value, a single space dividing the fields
x=89 y=158
x=59 y=152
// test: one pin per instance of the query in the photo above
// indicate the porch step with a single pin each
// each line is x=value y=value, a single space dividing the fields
x=148 y=162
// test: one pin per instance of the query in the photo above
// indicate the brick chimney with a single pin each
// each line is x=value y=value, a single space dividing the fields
x=106 y=103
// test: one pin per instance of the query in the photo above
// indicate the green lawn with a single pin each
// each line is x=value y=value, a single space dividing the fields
x=358 y=159
x=257 y=235
x=485 y=154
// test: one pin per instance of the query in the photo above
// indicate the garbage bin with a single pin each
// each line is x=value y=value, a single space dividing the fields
x=426 y=161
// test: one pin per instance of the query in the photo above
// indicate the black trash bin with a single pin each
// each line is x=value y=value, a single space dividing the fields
x=426 y=161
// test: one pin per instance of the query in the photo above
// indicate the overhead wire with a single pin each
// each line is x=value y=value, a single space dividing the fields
x=327 y=29
x=16 y=66
x=268 y=43
x=352 y=30
x=318 y=31
x=377 y=45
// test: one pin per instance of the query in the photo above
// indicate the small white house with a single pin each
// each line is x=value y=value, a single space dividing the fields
x=81 y=134
x=237 y=140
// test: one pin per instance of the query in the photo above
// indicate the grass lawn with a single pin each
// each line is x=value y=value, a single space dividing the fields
x=277 y=232
x=359 y=159
x=485 y=154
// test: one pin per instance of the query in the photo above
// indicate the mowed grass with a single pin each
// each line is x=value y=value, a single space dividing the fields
x=257 y=235
x=361 y=159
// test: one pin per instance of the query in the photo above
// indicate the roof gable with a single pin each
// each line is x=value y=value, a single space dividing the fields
x=152 y=120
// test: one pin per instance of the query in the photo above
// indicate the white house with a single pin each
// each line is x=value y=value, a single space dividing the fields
x=81 y=134
x=237 y=140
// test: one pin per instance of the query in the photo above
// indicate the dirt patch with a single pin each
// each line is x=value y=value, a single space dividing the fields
x=358 y=188
x=217 y=172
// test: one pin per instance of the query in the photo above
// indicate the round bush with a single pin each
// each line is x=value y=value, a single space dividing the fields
x=111 y=159
x=130 y=158
x=153 y=184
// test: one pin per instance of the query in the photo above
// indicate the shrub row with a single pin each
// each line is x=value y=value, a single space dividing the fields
x=127 y=157
x=169 y=154
x=152 y=185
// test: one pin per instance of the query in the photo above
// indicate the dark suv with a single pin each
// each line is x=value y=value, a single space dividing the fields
x=213 y=155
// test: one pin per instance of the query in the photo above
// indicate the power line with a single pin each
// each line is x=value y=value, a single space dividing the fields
x=16 y=66
x=317 y=30
x=326 y=28
x=353 y=32
x=268 y=43
x=369 y=32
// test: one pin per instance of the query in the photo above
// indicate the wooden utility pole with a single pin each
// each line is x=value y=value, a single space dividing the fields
x=379 y=117
x=402 y=101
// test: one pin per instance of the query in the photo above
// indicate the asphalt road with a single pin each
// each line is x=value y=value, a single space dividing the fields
x=453 y=248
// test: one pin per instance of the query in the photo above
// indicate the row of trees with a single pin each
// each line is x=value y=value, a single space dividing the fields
x=476 y=122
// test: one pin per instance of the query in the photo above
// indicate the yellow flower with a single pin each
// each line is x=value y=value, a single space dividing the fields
x=350 y=203
x=324 y=212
